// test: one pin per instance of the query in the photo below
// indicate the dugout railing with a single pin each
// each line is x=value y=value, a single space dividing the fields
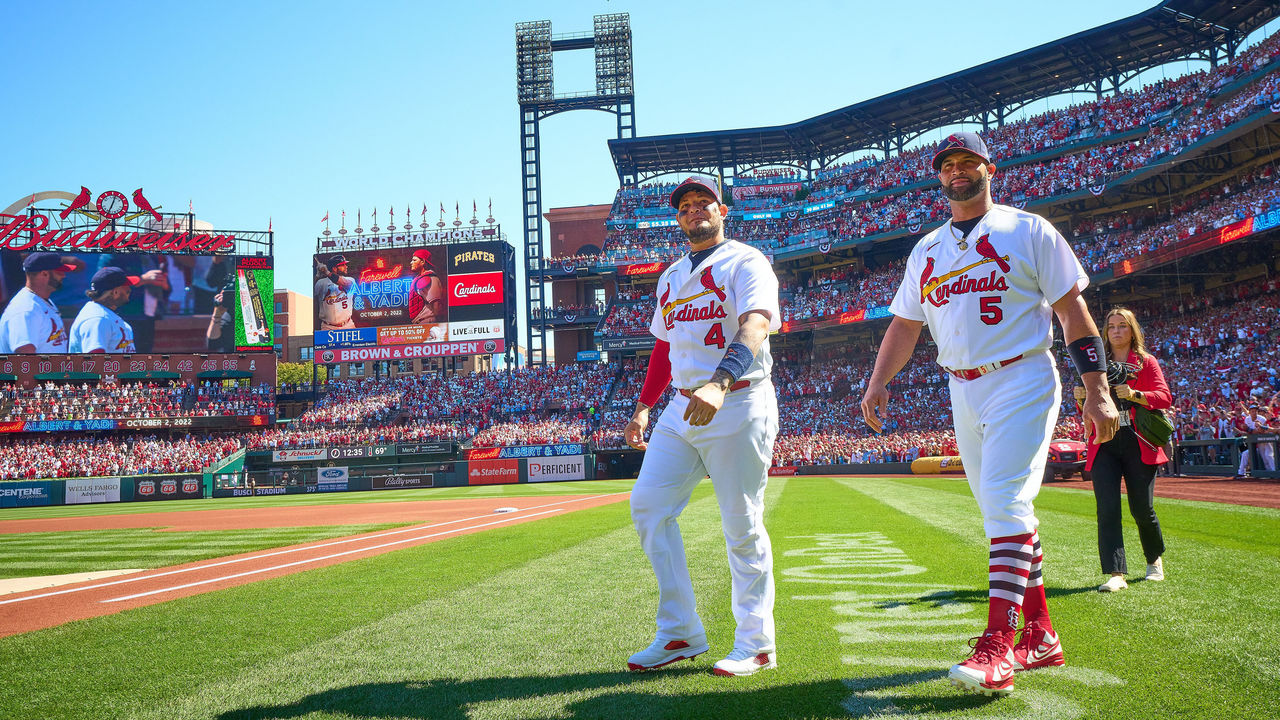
x=1221 y=456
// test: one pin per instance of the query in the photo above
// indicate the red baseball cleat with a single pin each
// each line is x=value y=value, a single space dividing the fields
x=664 y=652
x=1036 y=649
x=989 y=670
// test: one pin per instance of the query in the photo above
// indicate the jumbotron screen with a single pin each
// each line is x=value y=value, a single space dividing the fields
x=402 y=303
x=134 y=303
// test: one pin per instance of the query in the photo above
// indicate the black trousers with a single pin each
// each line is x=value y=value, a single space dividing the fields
x=1122 y=457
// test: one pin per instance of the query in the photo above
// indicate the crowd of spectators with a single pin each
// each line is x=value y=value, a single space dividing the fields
x=841 y=292
x=1177 y=112
x=92 y=456
x=535 y=431
x=628 y=319
x=83 y=401
x=1102 y=242
x=561 y=310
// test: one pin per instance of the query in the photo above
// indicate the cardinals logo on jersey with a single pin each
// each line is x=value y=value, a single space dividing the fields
x=124 y=344
x=937 y=291
x=687 y=313
x=55 y=334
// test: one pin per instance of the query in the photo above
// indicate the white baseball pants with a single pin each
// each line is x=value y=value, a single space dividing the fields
x=735 y=449
x=1004 y=422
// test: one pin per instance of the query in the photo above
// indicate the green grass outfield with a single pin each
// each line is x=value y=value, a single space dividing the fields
x=880 y=583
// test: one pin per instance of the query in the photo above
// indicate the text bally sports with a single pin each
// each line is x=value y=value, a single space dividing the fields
x=475 y=289
x=32 y=232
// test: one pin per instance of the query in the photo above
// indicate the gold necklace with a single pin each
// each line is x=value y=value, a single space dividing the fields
x=961 y=239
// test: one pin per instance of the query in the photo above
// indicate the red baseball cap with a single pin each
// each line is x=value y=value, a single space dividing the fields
x=695 y=182
x=423 y=254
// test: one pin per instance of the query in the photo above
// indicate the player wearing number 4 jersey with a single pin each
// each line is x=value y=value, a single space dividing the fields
x=987 y=284
x=716 y=307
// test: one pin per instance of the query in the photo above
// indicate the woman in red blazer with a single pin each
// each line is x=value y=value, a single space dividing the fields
x=1129 y=456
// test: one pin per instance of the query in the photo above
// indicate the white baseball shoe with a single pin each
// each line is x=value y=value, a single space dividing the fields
x=1155 y=571
x=664 y=652
x=1113 y=583
x=745 y=662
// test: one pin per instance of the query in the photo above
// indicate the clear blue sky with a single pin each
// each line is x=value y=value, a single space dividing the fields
x=286 y=110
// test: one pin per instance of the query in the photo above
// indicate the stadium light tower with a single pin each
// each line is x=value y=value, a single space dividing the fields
x=535 y=89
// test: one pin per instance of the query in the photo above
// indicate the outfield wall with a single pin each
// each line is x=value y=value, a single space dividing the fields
x=82 y=491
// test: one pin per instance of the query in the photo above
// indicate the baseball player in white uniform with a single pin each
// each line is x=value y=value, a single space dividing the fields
x=31 y=323
x=715 y=310
x=331 y=295
x=987 y=284
x=97 y=328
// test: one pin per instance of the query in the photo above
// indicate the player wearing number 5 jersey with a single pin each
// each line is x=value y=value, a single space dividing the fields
x=987 y=283
x=332 y=301
x=716 y=307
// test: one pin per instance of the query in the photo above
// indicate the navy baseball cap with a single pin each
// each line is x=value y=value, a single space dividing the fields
x=35 y=262
x=961 y=142
x=109 y=278
x=694 y=182
x=335 y=261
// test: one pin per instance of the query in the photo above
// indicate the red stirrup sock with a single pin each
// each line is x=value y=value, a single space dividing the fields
x=1009 y=567
x=1035 y=608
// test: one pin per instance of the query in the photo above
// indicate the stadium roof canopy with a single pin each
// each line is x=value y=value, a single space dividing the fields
x=1105 y=57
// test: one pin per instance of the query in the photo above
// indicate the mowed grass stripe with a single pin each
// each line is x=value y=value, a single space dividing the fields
x=176 y=647
x=539 y=637
x=536 y=620
x=1209 y=609
x=37 y=554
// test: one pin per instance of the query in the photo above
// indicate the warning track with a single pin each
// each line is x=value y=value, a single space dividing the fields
x=37 y=609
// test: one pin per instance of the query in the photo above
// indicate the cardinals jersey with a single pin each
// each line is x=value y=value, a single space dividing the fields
x=31 y=320
x=99 y=329
x=698 y=310
x=991 y=301
x=334 y=303
x=426 y=288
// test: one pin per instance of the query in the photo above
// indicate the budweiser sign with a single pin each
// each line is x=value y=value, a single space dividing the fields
x=32 y=232
x=475 y=289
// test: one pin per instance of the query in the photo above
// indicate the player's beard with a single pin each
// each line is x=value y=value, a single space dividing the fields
x=975 y=188
x=702 y=233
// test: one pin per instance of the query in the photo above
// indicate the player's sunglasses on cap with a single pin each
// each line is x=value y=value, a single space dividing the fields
x=335 y=261
x=35 y=262
x=968 y=142
x=109 y=278
x=694 y=182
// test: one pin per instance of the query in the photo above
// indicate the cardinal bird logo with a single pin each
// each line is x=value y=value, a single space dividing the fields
x=709 y=283
x=926 y=276
x=81 y=200
x=124 y=343
x=954 y=141
x=985 y=249
x=140 y=201
x=666 y=295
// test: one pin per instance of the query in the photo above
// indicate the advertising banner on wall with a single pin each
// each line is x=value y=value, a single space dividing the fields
x=299 y=454
x=92 y=490
x=332 y=479
x=573 y=467
x=402 y=481
x=493 y=472
x=26 y=494
x=177 y=487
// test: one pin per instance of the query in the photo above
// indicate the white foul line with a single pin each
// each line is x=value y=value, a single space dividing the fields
x=325 y=557
x=274 y=553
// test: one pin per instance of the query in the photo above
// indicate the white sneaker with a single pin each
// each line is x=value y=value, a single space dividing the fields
x=1155 y=571
x=1113 y=583
x=664 y=652
x=744 y=662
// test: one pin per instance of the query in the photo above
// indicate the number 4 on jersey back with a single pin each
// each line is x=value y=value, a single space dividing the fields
x=715 y=336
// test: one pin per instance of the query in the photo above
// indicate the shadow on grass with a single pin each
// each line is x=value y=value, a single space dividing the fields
x=625 y=695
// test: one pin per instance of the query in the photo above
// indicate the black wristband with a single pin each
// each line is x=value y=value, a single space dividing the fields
x=737 y=360
x=1089 y=355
